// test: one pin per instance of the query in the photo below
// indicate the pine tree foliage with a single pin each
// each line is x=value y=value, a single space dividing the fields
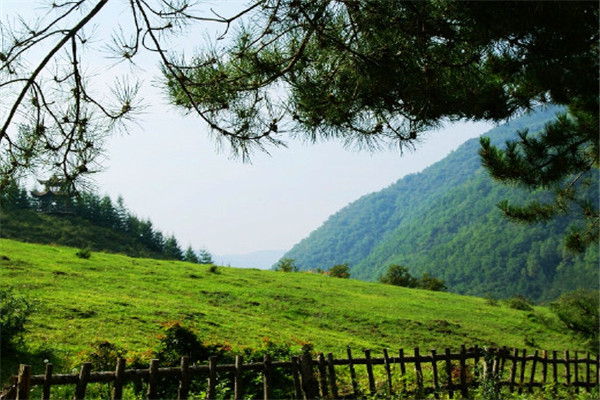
x=560 y=157
x=204 y=257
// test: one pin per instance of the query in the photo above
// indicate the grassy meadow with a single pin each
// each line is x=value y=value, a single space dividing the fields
x=127 y=300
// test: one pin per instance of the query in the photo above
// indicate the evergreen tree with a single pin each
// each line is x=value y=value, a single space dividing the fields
x=122 y=215
x=204 y=257
x=15 y=197
x=190 y=256
x=107 y=215
x=171 y=249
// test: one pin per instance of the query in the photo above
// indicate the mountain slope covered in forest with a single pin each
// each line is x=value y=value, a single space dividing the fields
x=444 y=221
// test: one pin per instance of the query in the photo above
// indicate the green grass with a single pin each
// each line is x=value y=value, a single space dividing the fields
x=125 y=300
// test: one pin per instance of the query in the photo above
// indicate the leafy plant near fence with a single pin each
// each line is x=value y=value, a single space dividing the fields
x=14 y=313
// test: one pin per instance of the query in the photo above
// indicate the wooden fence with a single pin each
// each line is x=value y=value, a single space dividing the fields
x=326 y=377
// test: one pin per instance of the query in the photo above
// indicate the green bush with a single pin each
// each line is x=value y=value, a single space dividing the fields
x=14 y=313
x=179 y=340
x=398 y=275
x=102 y=354
x=519 y=303
x=84 y=253
x=429 y=282
x=213 y=269
x=340 y=271
x=286 y=265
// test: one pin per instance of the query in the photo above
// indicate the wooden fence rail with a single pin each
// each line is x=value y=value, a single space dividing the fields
x=316 y=378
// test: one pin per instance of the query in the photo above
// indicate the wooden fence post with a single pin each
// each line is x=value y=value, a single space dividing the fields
x=119 y=379
x=567 y=368
x=588 y=382
x=184 y=381
x=544 y=366
x=352 y=372
x=152 y=380
x=9 y=392
x=24 y=382
x=402 y=368
x=388 y=372
x=322 y=376
x=84 y=375
x=555 y=366
x=267 y=382
x=513 y=370
x=497 y=363
x=576 y=372
x=47 y=382
x=212 y=377
x=370 y=375
x=237 y=386
x=464 y=388
x=449 y=373
x=522 y=374
x=436 y=384
x=332 y=378
x=296 y=378
x=532 y=380
x=309 y=383
x=503 y=360
x=418 y=370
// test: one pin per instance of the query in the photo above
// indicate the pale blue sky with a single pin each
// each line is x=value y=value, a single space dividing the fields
x=168 y=169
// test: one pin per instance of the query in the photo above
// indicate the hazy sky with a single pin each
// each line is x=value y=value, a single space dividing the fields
x=167 y=169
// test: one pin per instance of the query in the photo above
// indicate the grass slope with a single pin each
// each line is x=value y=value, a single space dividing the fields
x=125 y=300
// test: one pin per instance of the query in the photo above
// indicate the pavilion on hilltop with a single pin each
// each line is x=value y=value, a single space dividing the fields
x=55 y=198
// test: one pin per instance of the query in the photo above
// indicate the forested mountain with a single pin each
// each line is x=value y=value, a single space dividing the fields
x=444 y=221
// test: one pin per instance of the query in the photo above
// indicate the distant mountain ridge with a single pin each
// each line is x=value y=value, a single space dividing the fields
x=444 y=221
x=262 y=259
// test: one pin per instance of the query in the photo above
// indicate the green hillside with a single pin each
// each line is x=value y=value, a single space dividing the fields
x=444 y=221
x=126 y=301
x=88 y=221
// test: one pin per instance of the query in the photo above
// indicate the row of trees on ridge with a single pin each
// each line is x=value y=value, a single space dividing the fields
x=104 y=212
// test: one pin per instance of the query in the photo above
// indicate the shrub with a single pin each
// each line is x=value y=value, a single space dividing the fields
x=84 y=253
x=398 y=275
x=519 y=303
x=428 y=282
x=340 y=271
x=178 y=340
x=102 y=354
x=286 y=265
x=490 y=300
x=14 y=313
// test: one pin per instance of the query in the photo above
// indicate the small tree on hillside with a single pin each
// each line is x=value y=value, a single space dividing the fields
x=172 y=249
x=190 y=256
x=286 y=265
x=398 y=275
x=204 y=257
x=340 y=271
x=429 y=282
